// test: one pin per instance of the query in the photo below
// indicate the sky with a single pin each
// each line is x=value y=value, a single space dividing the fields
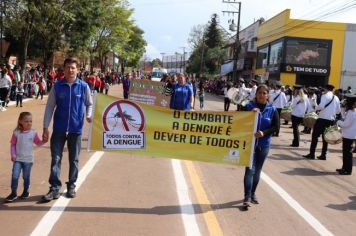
x=168 y=23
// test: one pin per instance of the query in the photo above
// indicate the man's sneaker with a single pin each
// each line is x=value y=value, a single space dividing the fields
x=51 y=195
x=254 y=200
x=309 y=156
x=71 y=193
x=12 y=197
x=246 y=202
x=25 y=195
x=321 y=157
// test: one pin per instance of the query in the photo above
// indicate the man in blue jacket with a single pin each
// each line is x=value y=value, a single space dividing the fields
x=67 y=100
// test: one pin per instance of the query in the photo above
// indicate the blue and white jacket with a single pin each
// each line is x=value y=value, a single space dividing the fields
x=69 y=101
x=268 y=122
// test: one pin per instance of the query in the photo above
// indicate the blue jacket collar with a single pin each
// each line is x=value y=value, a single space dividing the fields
x=64 y=81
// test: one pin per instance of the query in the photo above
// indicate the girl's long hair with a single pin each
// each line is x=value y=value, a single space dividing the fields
x=301 y=95
x=262 y=86
x=21 y=117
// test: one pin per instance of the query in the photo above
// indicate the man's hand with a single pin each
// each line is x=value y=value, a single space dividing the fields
x=45 y=135
x=259 y=134
x=13 y=159
x=89 y=119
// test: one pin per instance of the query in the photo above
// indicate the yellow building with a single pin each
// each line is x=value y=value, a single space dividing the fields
x=301 y=52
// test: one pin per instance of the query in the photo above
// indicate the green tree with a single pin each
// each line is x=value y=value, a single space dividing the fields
x=131 y=52
x=156 y=63
x=207 y=43
x=20 y=20
x=213 y=34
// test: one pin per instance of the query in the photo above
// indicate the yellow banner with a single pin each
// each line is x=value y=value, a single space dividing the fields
x=127 y=126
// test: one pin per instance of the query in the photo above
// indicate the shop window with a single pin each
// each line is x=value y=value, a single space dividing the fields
x=275 y=56
x=262 y=57
x=307 y=52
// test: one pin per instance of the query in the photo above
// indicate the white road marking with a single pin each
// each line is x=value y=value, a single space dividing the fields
x=46 y=224
x=309 y=218
x=188 y=217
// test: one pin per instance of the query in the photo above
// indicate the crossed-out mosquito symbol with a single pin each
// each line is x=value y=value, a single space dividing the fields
x=128 y=119
x=120 y=116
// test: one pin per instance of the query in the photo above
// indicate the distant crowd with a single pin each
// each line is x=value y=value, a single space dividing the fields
x=36 y=82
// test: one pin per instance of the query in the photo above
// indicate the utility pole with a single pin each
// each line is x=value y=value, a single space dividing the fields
x=183 y=59
x=176 y=60
x=237 y=40
x=202 y=56
x=162 y=53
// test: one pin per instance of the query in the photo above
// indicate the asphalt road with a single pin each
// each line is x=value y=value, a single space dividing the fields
x=120 y=194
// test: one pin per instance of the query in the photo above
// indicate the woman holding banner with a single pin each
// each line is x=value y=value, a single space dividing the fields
x=182 y=96
x=268 y=123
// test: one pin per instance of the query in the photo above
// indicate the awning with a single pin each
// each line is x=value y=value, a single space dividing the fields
x=229 y=66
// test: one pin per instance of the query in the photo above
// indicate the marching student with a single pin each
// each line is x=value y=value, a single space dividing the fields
x=299 y=107
x=348 y=135
x=279 y=100
x=329 y=106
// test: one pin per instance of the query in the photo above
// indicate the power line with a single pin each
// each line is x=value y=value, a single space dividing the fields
x=297 y=27
x=320 y=15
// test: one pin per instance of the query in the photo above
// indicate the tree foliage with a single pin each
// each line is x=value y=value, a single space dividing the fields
x=82 y=27
x=207 y=44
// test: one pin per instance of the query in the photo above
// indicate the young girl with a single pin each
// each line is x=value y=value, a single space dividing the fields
x=22 y=154
x=201 y=95
x=19 y=94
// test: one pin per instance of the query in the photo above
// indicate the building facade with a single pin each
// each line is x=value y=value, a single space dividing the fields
x=248 y=52
x=311 y=53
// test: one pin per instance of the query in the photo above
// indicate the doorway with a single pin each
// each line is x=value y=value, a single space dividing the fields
x=311 y=80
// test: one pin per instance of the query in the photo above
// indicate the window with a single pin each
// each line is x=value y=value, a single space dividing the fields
x=262 y=57
x=252 y=45
x=275 y=56
x=307 y=52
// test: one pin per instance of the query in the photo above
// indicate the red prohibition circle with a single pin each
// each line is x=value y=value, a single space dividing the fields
x=118 y=105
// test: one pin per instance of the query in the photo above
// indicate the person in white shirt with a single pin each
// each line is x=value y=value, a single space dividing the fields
x=348 y=126
x=226 y=97
x=279 y=100
x=5 y=85
x=328 y=107
x=253 y=89
x=243 y=93
x=299 y=106
x=310 y=108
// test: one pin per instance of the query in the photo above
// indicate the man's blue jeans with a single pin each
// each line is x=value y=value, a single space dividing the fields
x=26 y=174
x=252 y=175
x=57 y=144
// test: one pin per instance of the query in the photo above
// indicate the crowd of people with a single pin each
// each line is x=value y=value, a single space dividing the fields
x=36 y=82
x=270 y=102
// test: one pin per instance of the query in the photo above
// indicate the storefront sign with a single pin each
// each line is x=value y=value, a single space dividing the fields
x=300 y=69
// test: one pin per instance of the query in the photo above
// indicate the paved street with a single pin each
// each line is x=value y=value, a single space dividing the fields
x=124 y=194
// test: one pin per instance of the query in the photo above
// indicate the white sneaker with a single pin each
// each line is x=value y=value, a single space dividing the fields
x=2 y=109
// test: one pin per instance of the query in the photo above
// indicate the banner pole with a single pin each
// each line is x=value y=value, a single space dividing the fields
x=254 y=140
x=92 y=123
